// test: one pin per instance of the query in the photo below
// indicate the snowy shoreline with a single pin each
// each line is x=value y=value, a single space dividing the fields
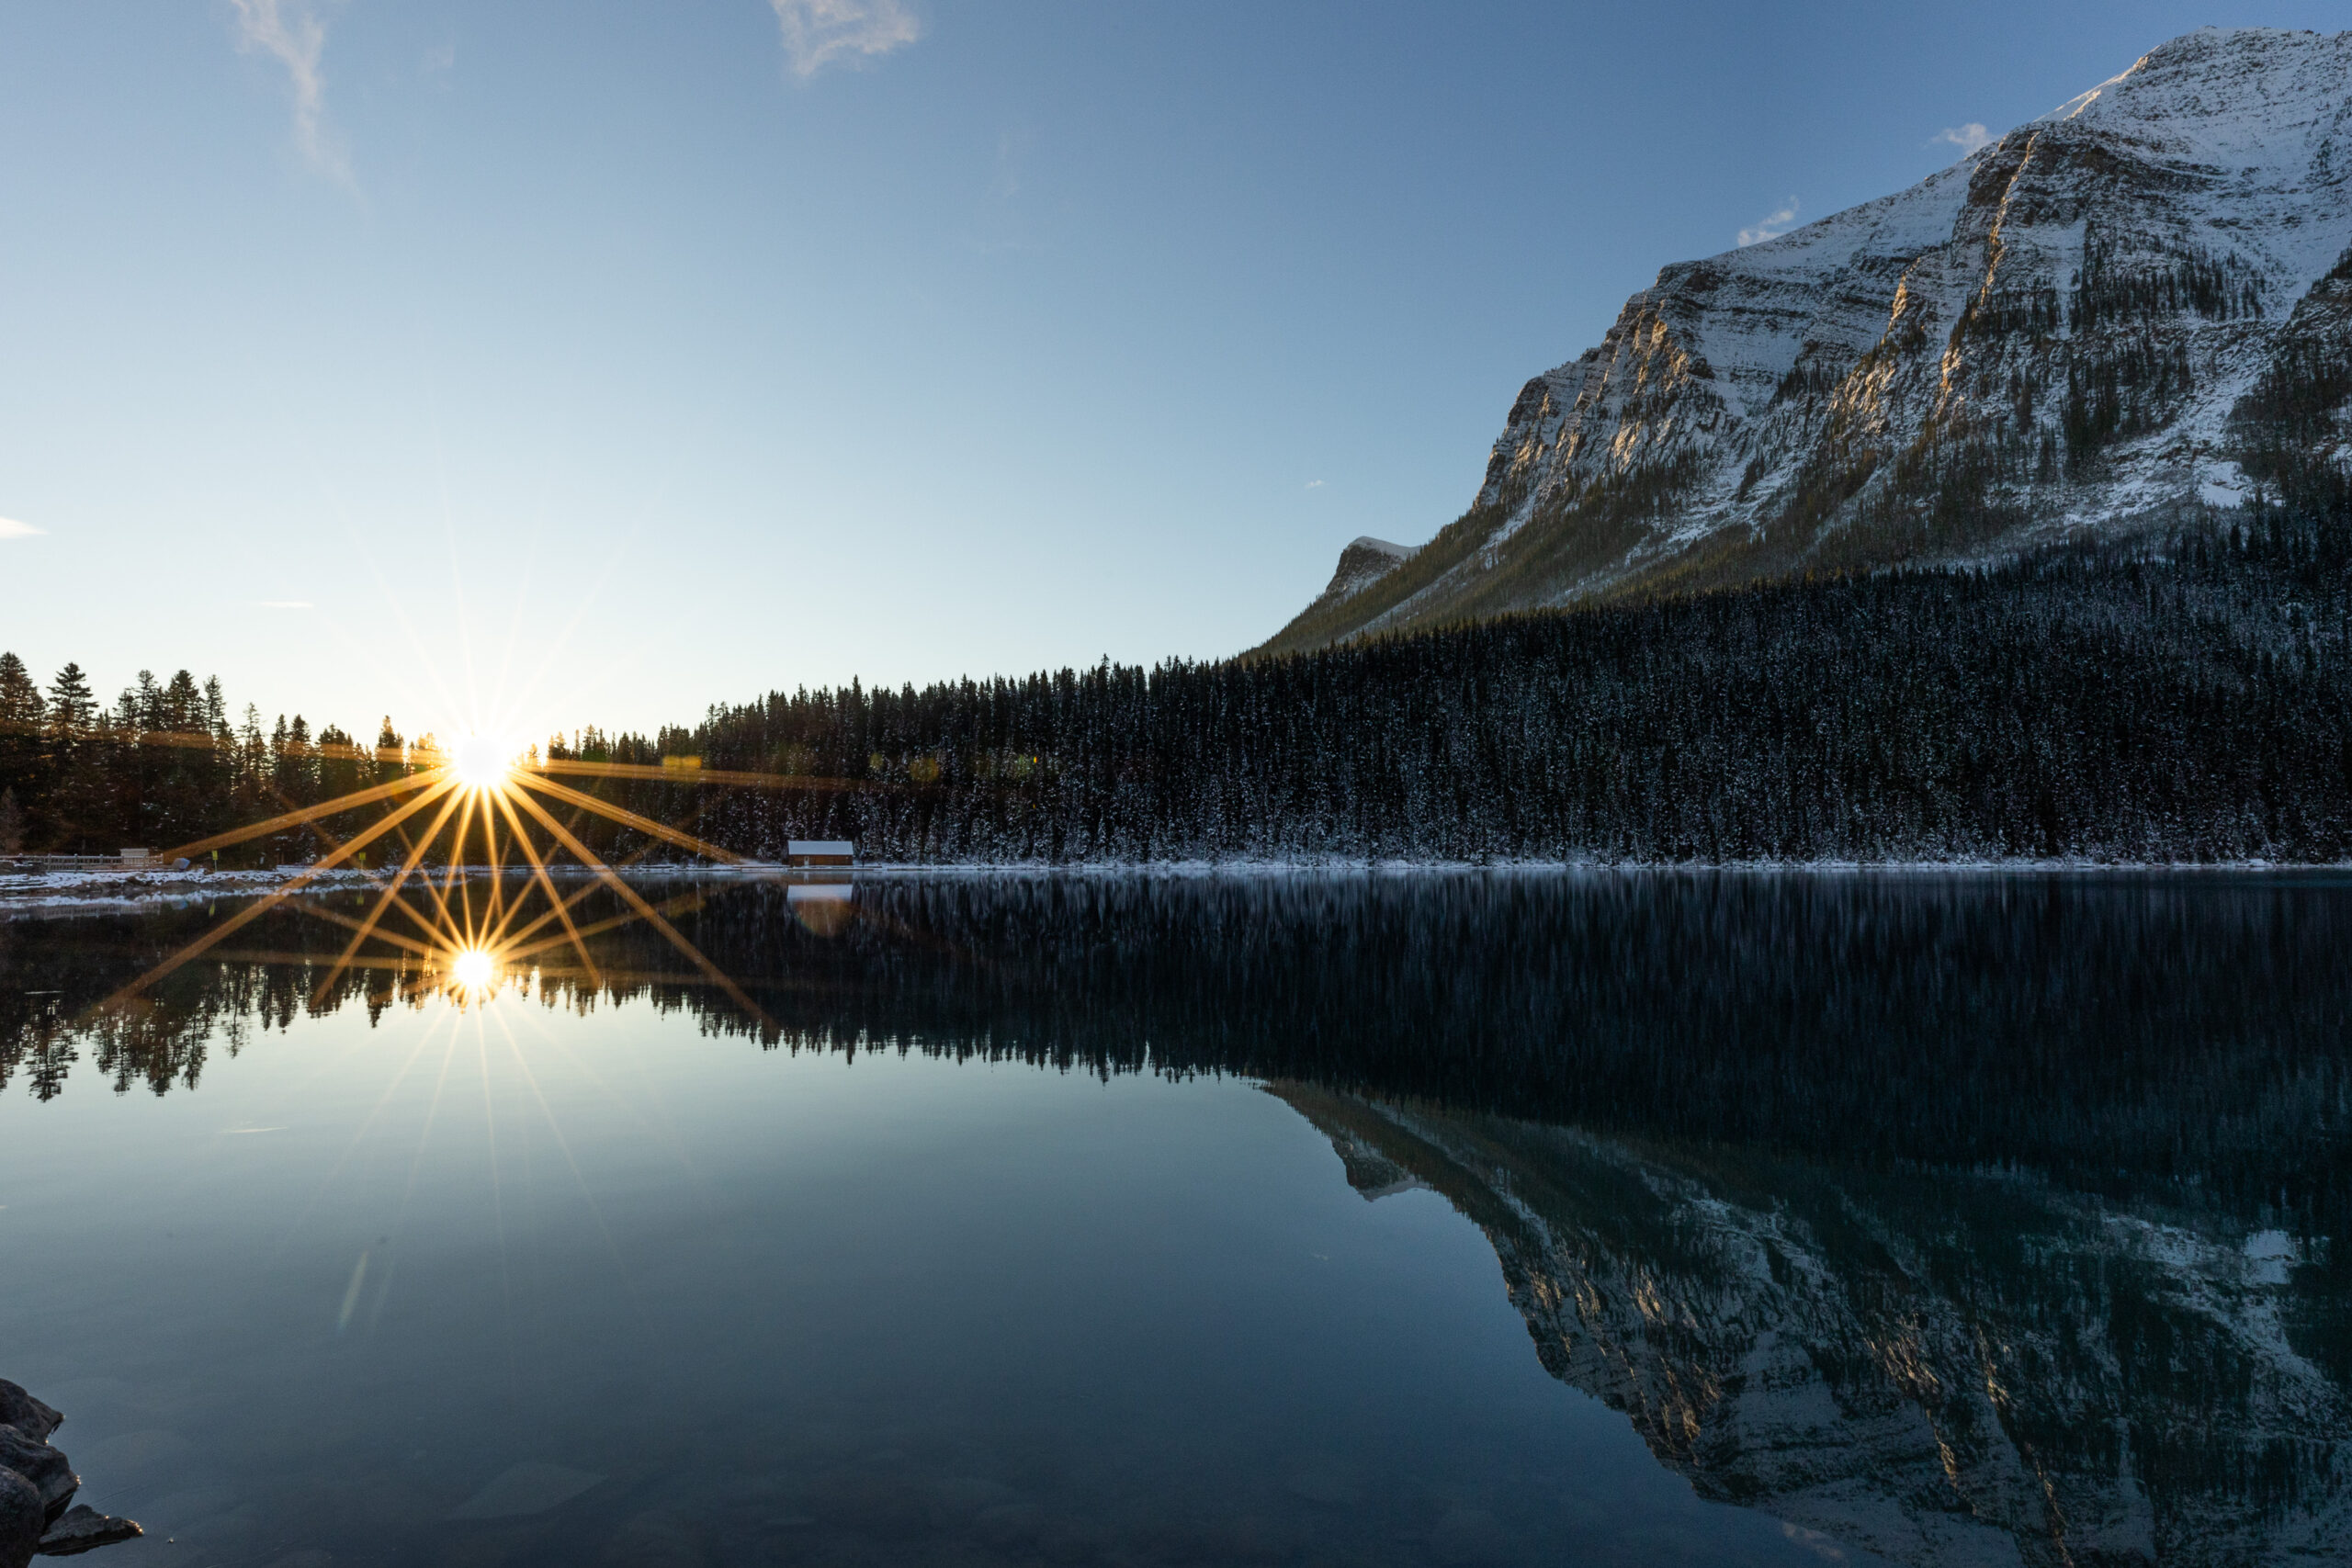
x=41 y=894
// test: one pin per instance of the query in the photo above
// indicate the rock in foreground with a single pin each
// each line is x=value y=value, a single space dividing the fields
x=83 y=1528
x=36 y=1487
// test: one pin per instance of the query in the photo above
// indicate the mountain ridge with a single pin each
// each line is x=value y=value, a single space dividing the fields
x=2131 y=313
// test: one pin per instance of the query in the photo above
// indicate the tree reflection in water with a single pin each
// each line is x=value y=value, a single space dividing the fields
x=1948 y=1216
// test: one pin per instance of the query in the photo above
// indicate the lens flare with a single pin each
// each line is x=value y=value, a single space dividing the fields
x=479 y=806
x=483 y=761
x=473 y=970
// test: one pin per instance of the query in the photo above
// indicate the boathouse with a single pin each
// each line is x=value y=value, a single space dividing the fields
x=820 y=851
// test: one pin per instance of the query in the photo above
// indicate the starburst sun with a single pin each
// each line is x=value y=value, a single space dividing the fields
x=483 y=761
x=484 y=804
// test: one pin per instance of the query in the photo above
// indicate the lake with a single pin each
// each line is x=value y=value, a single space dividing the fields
x=1434 y=1218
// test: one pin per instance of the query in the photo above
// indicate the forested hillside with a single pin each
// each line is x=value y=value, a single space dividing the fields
x=2193 y=703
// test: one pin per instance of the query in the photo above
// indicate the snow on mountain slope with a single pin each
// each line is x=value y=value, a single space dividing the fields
x=1938 y=1369
x=2129 y=312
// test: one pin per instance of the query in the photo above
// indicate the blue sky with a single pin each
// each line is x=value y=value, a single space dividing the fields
x=540 y=364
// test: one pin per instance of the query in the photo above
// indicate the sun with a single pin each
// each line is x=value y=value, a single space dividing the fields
x=473 y=970
x=475 y=806
x=483 y=761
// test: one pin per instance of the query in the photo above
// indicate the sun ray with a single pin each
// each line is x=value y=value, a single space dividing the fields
x=336 y=917
x=443 y=928
x=575 y=900
x=359 y=1134
x=494 y=915
x=318 y=831
x=546 y=886
x=270 y=901
x=453 y=878
x=573 y=766
x=308 y=813
x=465 y=942
x=291 y=956
x=587 y=857
x=391 y=896
x=684 y=902
x=587 y=1196
x=631 y=819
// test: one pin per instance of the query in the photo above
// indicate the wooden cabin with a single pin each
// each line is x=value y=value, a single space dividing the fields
x=820 y=851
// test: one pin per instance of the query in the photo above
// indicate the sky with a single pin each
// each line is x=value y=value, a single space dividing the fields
x=520 y=366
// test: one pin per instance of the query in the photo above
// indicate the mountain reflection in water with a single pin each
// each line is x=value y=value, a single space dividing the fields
x=1956 y=1218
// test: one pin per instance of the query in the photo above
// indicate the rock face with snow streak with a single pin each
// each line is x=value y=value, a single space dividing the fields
x=1365 y=562
x=2130 y=313
x=1939 y=1368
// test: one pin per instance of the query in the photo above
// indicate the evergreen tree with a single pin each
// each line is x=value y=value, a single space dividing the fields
x=78 y=805
x=2187 y=700
x=22 y=712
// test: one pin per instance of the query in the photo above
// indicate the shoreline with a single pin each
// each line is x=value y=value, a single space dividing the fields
x=41 y=893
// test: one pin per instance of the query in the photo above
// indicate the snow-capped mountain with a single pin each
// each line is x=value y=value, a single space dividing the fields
x=2134 y=310
x=1939 y=1368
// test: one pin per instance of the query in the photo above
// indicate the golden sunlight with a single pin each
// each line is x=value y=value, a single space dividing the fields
x=483 y=795
x=481 y=762
x=473 y=969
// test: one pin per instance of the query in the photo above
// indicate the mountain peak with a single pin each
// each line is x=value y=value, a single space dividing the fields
x=2222 y=89
x=2133 y=312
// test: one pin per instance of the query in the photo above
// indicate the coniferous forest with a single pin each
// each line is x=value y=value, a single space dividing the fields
x=2188 y=699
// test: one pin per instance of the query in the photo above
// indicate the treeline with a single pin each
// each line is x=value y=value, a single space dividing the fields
x=166 y=765
x=2191 y=702
x=2138 y=1035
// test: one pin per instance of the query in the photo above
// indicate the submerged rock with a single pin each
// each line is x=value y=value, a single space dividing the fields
x=36 y=1487
x=84 y=1528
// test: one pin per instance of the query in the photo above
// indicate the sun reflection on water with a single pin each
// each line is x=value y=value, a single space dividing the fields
x=473 y=974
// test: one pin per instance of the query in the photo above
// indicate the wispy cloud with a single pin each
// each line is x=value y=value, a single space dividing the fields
x=1773 y=227
x=291 y=32
x=1315 y=484
x=12 y=529
x=1967 y=138
x=817 y=33
x=283 y=604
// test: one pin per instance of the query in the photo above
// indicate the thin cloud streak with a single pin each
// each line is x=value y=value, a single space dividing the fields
x=817 y=33
x=290 y=32
x=1772 y=228
x=12 y=529
x=1967 y=138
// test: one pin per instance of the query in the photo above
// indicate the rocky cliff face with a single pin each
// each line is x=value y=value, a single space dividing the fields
x=1365 y=562
x=1935 y=1367
x=2132 y=311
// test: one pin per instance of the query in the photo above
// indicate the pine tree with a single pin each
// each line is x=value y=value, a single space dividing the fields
x=22 y=711
x=72 y=709
x=79 y=805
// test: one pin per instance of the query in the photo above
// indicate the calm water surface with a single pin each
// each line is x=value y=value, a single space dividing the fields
x=1385 y=1219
